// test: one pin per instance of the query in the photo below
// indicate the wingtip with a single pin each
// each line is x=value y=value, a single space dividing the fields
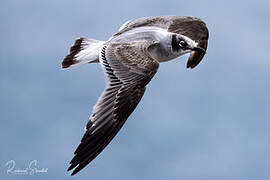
x=194 y=59
x=191 y=66
x=73 y=173
x=70 y=168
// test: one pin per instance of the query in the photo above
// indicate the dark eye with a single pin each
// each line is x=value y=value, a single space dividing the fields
x=183 y=44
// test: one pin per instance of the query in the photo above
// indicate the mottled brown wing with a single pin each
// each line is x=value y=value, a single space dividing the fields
x=128 y=69
x=191 y=27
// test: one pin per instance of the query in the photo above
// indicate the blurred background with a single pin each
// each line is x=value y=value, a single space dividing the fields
x=211 y=122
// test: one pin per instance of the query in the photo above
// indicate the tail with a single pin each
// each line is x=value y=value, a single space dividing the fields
x=83 y=51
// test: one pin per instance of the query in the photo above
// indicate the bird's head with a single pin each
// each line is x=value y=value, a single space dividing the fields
x=182 y=44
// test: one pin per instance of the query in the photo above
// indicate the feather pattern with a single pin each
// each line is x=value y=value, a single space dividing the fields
x=128 y=69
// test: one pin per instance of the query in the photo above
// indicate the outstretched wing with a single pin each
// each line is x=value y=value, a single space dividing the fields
x=191 y=27
x=128 y=69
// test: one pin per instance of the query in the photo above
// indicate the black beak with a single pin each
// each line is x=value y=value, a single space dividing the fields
x=198 y=49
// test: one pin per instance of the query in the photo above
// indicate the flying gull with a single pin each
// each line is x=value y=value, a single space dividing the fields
x=129 y=59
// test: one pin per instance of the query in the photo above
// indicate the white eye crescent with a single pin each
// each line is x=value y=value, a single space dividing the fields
x=182 y=44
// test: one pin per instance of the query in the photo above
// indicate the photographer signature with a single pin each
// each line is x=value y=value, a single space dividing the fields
x=30 y=170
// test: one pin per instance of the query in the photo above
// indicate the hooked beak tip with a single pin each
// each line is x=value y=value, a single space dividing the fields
x=199 y=49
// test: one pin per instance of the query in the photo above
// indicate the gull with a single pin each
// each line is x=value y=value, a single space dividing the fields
x=130 y=59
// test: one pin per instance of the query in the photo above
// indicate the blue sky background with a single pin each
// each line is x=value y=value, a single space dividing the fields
x=211 y=122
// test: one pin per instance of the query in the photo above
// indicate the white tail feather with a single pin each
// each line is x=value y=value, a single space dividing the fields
x=82 y=52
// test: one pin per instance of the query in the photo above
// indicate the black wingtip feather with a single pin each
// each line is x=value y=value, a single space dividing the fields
x=72 y=166
x=78 y=168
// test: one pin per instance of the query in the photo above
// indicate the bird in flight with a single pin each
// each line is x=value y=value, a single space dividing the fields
x=129 y=59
